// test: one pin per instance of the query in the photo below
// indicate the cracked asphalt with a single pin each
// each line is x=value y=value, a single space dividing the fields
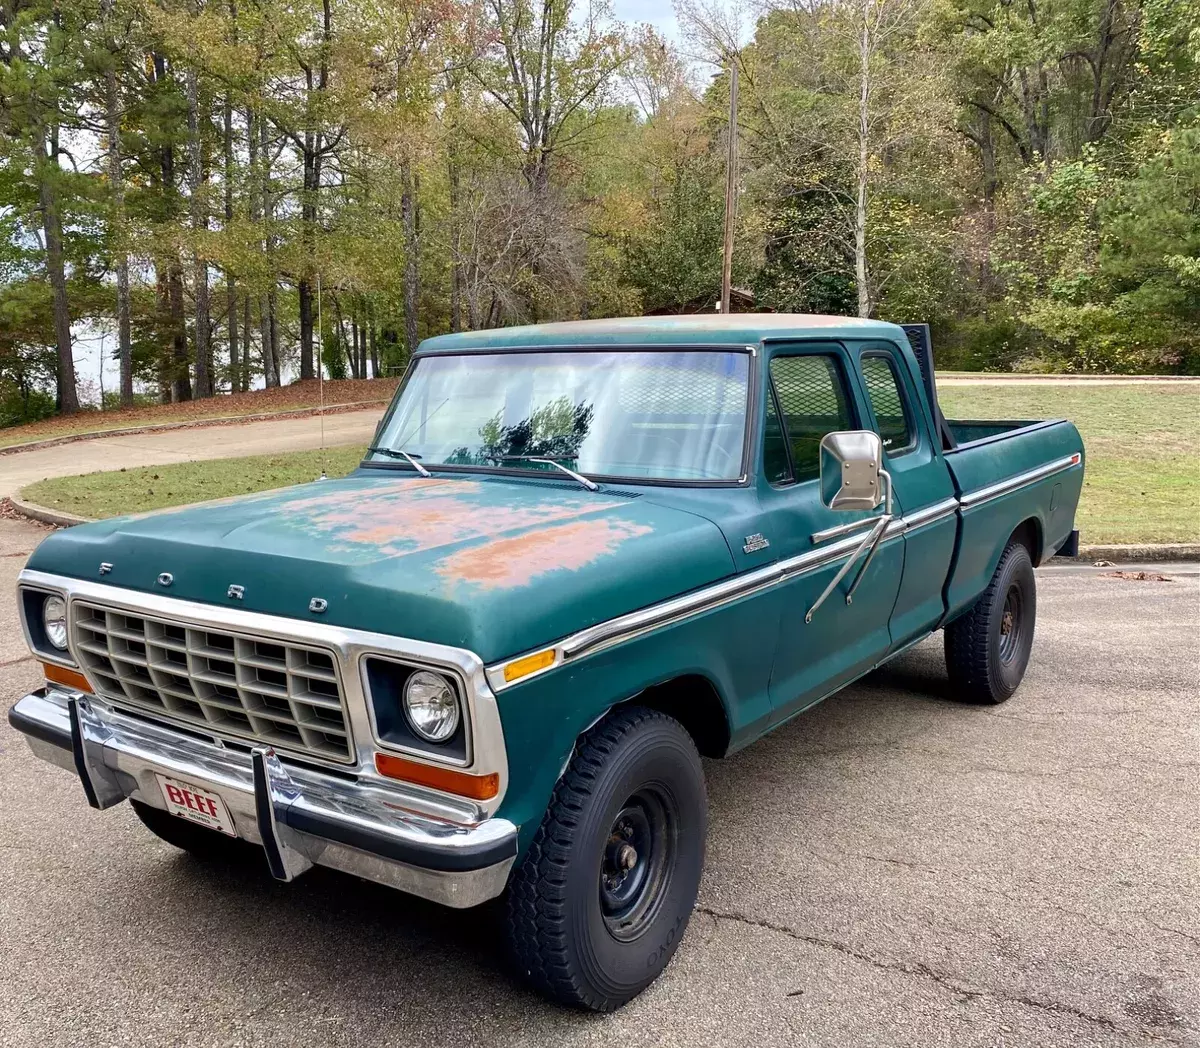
x=891 y=868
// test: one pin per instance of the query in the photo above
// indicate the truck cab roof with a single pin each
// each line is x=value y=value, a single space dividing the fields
x=694 y=330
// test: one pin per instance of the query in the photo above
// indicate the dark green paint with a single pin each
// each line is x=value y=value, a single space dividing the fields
x=507 y=564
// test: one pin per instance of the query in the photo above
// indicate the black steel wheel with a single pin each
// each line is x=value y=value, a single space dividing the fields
x=988 y=647
x=635 y=873
x=601 y=899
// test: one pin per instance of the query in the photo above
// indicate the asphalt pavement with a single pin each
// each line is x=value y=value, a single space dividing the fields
x=891 y=868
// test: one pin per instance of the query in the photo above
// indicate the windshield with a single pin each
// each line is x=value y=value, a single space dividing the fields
x=635 y=414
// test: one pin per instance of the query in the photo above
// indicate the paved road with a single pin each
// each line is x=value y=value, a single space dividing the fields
x=890 y=869
x=182 y=445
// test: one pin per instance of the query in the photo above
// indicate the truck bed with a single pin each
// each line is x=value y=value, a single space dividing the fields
x=1007 y=473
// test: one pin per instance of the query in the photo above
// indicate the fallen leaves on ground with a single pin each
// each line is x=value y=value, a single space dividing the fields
x=1136 y=576
x=8 y=511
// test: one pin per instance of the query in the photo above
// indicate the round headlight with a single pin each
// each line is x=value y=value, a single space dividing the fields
x=431 y=706
x=54 y=619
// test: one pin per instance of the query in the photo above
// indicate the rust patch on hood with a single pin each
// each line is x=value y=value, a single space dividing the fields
x=423 y=514
x=511 y=562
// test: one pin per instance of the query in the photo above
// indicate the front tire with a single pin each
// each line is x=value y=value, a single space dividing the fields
x=601 y=900
x=987 y=649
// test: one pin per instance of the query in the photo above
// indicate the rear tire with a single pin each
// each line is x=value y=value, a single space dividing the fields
x=987 y=648
x=204 y=844
x=602 y=898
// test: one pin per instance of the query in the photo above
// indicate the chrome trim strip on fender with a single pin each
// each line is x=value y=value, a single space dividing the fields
x=626 y=627
x=487 y=753
x=1003 y=487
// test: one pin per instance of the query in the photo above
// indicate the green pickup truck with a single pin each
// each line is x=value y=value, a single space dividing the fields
x=576 y=558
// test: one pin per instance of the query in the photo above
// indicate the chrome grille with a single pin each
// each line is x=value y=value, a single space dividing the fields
x=251 y=688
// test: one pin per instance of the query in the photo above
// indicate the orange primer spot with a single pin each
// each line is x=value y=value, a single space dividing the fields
x=423 y=514
x=508 y=563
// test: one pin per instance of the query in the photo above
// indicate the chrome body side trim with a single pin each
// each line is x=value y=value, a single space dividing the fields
x=302 y=815
x=627 y=627
x=930 y=514
x=994 y=491
x=486 y=750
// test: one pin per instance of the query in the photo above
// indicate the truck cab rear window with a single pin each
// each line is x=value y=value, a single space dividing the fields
x=883 y=389
x=812 y=399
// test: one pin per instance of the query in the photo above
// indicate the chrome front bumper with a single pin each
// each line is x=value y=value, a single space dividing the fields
x=301 y=816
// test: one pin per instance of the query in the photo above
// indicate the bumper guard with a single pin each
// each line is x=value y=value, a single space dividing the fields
x=300 y=816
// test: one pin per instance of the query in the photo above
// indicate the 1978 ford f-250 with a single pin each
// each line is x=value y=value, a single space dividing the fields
x=576 y=557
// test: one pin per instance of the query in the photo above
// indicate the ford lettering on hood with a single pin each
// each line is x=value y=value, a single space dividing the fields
x=493 y=564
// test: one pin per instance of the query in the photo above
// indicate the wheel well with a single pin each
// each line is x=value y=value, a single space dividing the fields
x=1029 y=534
x=694 y=702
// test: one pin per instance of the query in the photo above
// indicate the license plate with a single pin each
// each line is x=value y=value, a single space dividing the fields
x=196 y=804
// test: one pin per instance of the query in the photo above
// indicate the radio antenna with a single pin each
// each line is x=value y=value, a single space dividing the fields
x=321 y=376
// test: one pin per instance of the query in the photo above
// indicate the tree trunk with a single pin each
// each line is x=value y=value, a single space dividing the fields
x=204 y=386
x=68 y=398
x=342 y=343
x=273 y=329
x=862 y=171
x=112 y=114
x=231 y=295
x=264 y=340
x=177 y=363
x=243 y=379
x=269 y=325
x=308 y=221
x=408 y=210
x=455 y=246
x=374 y=348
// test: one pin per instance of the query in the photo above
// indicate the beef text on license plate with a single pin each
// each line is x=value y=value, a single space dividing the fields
x=196 y=804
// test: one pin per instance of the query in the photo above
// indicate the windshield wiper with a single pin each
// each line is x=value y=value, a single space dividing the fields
x=591 y=485
x=411 y=459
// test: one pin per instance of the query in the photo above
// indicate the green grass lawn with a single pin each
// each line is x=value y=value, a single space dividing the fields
x=1142 y=482
x=111 y=494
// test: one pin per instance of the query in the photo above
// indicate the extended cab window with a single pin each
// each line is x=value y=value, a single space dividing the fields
x=812 y=398
x=883 y=389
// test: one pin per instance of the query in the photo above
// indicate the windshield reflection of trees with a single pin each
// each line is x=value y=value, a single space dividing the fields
x=556 y=430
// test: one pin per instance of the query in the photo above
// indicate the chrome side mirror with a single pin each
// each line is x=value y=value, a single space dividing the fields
x=852 y=477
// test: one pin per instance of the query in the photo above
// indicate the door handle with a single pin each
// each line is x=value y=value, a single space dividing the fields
x=842 y=529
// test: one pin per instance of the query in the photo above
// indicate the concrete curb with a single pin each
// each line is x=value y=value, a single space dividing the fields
x=1135 y=553
x=47 y=516
x=1117 y=553
x=217 y=420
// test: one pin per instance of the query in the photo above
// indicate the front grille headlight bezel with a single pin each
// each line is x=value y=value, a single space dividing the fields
x=31 y=603
x=385 y=680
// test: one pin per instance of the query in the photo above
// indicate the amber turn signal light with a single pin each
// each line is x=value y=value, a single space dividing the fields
x=476 y=787
x=523 y=667
x=65 y=676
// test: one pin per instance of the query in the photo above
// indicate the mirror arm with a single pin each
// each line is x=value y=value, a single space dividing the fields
x=870 y=543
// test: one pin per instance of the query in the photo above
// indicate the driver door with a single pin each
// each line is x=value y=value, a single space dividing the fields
x=809 y=394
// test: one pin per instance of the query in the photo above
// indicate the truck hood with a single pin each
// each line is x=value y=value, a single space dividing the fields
x=497 y=565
